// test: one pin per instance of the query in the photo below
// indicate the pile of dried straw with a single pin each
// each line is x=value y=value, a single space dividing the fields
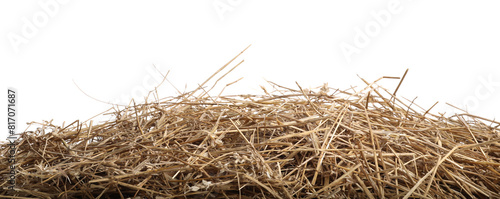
x=289 y=143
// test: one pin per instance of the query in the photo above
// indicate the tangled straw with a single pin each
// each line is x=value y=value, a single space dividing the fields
x=288 y=143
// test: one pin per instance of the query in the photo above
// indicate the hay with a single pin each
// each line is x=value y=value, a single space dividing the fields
x=288 y=143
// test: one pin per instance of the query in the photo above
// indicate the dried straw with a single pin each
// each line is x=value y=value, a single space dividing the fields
x=288 y=143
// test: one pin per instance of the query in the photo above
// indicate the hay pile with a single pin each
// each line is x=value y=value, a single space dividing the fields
x=290 y=143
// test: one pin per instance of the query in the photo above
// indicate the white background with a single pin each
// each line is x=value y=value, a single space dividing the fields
x=108 y=49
